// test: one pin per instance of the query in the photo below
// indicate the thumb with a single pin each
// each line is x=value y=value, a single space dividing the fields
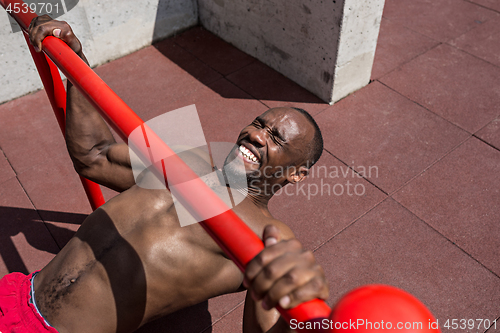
x=271 y=235
x=67 y=35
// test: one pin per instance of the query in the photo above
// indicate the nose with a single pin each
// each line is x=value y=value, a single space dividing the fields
x=258 y=137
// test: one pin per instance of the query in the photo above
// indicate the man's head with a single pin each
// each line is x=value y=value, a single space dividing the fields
x=278 y=147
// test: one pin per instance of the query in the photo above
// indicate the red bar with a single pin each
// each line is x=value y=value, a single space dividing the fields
x=56 y=93
x=227 y=229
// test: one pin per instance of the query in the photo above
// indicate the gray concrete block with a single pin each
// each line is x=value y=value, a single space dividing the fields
x=357 y=44
x=107 y=30
x=325 y=46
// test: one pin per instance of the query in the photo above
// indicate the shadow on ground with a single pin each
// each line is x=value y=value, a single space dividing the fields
x=29 y=223
x=208 y=58
x=195 y=318
x=14 y=221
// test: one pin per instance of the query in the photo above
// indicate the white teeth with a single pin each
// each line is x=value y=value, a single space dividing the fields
x=248 y=154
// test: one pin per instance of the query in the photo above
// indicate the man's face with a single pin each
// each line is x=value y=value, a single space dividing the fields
x=276 y=140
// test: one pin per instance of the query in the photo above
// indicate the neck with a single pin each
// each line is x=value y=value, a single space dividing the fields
x=261 y=193
x=259 y=200
x=257 y=192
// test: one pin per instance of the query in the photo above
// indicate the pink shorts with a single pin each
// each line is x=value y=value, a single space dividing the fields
x=17 y=314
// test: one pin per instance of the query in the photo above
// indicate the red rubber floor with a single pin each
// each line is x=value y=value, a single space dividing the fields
x=407 y=192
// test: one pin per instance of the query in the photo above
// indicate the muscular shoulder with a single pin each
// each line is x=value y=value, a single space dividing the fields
x=196 y=158
x=259 y=224
x=285 y=231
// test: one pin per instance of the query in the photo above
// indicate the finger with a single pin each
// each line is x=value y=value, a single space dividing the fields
x=33 y=29
x=271 y=235
x=298 y=275
x=272 y=273
x=37 y=20
x=45 y=26
x=44 y=18
x=314 y=288
x=267 y=255
x=67 y=35
x=32 y=23
x=38 y=34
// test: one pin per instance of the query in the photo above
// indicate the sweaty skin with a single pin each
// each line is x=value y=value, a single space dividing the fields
x=135 y=240
x=131 y=262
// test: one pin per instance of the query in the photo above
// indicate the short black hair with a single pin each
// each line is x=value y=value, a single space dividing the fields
x=316 y=145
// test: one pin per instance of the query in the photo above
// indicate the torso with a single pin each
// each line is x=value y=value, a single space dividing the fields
x=131 y=262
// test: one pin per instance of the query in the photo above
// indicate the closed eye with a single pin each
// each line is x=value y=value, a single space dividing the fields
x=276 y=137
x=277 y=134
x=256 y=123
x=273 y=132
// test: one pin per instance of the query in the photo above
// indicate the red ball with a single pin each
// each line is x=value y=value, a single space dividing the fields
x=379 y=308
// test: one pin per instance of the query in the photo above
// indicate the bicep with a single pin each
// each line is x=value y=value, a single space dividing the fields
x=112 y=168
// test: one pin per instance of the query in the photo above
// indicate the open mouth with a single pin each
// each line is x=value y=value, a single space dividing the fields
x=248 y=154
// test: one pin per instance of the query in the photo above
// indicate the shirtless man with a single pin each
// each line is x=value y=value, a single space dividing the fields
x=130 y=261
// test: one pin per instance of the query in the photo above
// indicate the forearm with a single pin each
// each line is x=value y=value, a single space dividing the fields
x=258 y=320
x=86 y=132
x=283 y=274
x=91 y=145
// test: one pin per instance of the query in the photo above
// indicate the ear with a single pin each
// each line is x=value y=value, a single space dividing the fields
x=298 y=175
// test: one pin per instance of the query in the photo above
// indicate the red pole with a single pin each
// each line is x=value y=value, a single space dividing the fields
x=239 y=242
x=56 y=93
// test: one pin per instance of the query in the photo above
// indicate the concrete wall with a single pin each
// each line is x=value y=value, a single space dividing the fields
x=107 y=29
x=326 y=46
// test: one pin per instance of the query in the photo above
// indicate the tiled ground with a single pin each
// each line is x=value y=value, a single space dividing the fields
x=407 y=192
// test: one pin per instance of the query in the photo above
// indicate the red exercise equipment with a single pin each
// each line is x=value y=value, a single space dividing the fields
x=376 y=308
